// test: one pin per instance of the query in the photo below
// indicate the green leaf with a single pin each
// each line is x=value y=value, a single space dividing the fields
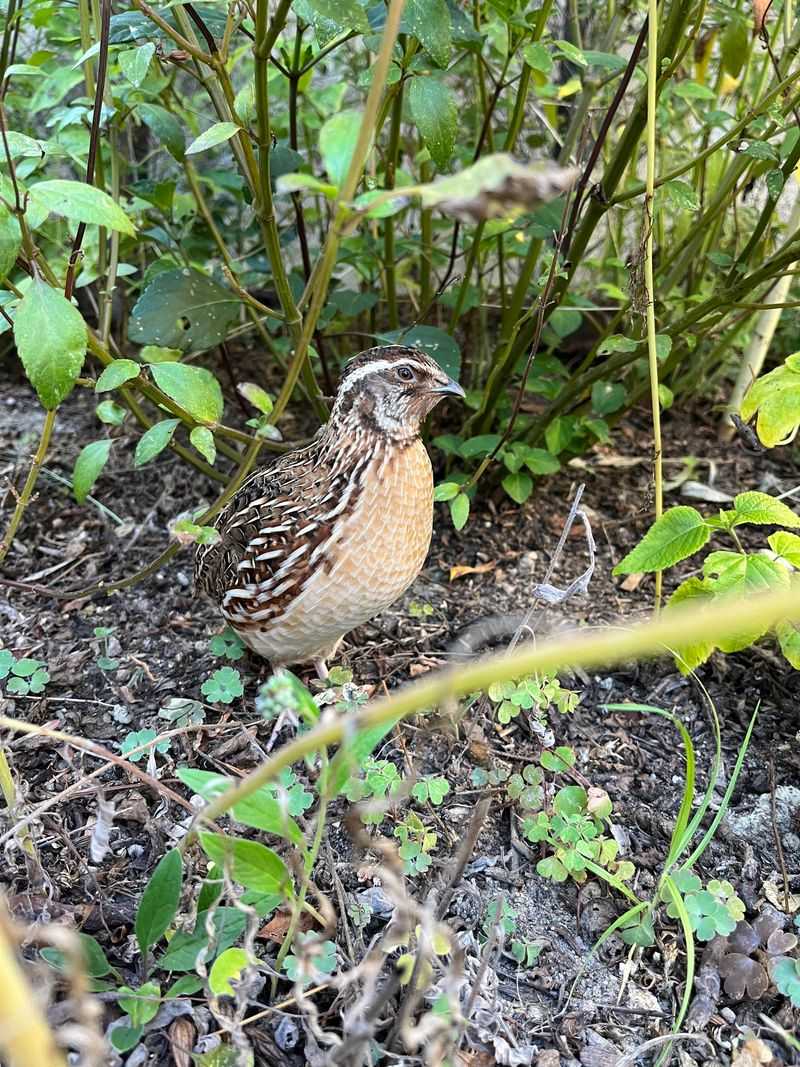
x=210 y=138
x=301 y=183
x=681 y=194
x=124 y=1038
x=154 y=440
x=694 y=591
x=51 y=337
x=80 y=202
x=157 y=354
x=775 y=182
x=438 y=344
x=789 y=640
x=337 y=142
x=223 y=686
x=10 y=241
x=141 y=1004
x=88 y=467
x=262 y=810
x=539 y=461
x=677 y=534
x=134 y=62
x=116 y=374
x=165 y=128
x=459 y=510
x=202 y=439
x=787 y=546
x=446 y=491
x=226 y=967
x=94 y=958
x=607 y=397
x=429 y=21
x=776 y=397
x=617 y=342
x=434 y=111
x=518 y=486
x=761 y=509
x=228 y=925
x=182 y=308
x=250 y=863
x=760 y=150
x=689 y=90
x=345 y=14
x=606 y=60
x=256 y=396
x=734 y=45
x=195 y=389
x=570 y=52
x=538 y=57
x=663 y=346
x=160 y=900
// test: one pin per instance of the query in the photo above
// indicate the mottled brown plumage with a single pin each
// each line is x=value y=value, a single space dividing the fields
x=332 y=534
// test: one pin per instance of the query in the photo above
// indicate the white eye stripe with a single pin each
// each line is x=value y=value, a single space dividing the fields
x=375 y=368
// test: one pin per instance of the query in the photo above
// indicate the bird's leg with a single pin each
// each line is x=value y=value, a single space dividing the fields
x=321 y=667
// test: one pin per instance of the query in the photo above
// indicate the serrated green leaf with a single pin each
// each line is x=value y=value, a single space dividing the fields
x=88 y=467
x=116 y=374
x=434 y=111
x=51 y=337
x=210 y=138
x=154 y=440
x=80 y=202
x=195 y=389
x=679 y=533
x=159 y=903
x=789 y=639
x=681 y=194
x=787 y=546
x=692 y=591
x=761 y=509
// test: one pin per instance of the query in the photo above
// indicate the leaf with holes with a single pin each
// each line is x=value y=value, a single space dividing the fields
x=51 y=337
x=183 y=309
x=677 y=534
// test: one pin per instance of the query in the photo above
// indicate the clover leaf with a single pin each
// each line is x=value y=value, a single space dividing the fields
x=223 y=686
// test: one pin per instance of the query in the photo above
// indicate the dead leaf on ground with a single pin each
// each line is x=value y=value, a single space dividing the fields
x=275 y=929
x=753 y=1053
x=462 y=568
x=182 y=1036
x=773 y=890
x=631 y=583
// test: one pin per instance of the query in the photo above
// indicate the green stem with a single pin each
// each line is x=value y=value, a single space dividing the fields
x=30 y=482
x=317 y=288
x=650 y=296
x=392 y=155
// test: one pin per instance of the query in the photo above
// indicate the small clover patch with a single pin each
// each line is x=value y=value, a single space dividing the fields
x=136 y=739
x=227 y=644
x=431 y=790
x=25 y=676
x=223 y=687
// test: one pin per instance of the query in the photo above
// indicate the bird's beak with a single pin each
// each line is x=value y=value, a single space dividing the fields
x=450 y=388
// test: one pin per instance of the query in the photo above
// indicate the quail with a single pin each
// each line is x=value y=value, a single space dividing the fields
x=330 y=535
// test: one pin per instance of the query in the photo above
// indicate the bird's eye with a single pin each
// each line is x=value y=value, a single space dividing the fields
x=405 y=374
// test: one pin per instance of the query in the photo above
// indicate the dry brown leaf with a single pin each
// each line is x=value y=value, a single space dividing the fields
x=275 y=929
x=753 y=1053
x=760 y=9
x=631 y=583
x=475 y=1058
x=182 y=1036
x=462 y=568
x=774 y=892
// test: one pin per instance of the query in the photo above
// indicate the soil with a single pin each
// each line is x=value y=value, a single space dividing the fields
x=160 y=635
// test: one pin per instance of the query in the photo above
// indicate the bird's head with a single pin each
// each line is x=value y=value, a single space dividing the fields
x=391 y=390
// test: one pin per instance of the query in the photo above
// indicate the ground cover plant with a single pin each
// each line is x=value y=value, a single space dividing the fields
x=588 y=215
